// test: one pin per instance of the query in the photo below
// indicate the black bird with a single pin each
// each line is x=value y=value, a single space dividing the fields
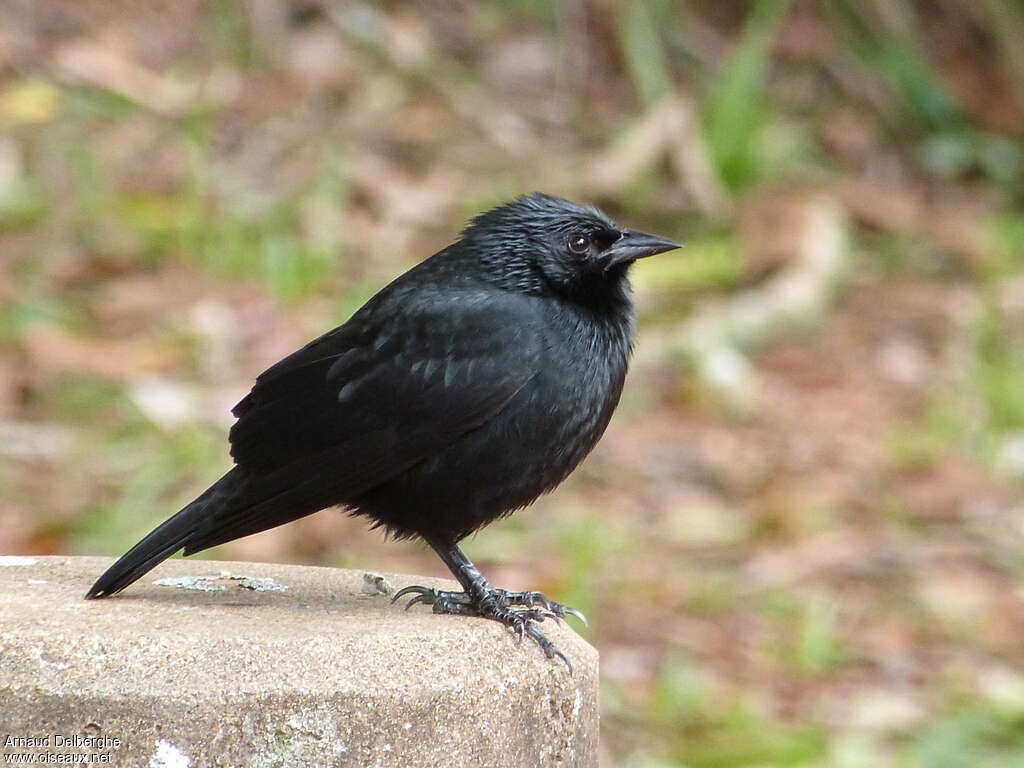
x=465 y=389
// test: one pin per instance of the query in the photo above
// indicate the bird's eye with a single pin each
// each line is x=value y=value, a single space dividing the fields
x=579 y=243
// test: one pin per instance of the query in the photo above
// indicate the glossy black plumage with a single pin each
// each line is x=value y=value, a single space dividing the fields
x=463 y=390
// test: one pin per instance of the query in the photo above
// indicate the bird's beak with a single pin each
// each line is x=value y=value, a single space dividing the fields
x=636 y=245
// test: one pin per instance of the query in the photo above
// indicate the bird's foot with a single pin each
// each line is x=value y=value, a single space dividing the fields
x=503 y=598
x=497 y=604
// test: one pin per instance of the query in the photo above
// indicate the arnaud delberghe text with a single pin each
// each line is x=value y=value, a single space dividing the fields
x=55 y=740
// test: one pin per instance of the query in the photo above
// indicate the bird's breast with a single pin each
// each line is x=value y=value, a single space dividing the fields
x=580 y=383
x=528 y=447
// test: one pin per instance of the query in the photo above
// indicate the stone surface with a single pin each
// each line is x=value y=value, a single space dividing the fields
x=273 y=665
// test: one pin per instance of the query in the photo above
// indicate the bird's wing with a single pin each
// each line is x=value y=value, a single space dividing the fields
x=368 y=400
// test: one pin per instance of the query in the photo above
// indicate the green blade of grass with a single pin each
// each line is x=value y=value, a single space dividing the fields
x=735 y=111
x=644 y=51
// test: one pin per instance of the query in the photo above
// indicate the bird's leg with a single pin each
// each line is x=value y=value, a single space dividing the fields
x=479 y=598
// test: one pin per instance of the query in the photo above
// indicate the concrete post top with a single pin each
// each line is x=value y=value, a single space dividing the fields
x=313 y=665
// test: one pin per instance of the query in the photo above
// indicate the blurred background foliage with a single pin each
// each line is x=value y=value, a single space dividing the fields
x=800 y=542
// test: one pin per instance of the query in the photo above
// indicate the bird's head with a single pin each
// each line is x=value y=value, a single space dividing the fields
x=543 y=244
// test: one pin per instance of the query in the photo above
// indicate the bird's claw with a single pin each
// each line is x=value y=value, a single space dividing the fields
x=530 y=599
x=415 y=589
x=428 y=596
x=551 y=650
x=425 y=599
x=567 y=611
x=495 y=604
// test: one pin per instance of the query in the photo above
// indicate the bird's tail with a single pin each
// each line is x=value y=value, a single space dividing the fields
x=166 y=539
